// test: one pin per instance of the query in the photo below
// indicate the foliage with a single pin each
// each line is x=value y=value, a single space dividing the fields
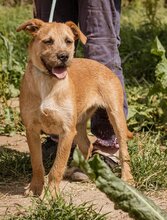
x=138 y=31
x=12 y=64
x=10 y=120
x=159 y=90
x=148 y=108
x=151 y=10
x=10 y=73
x=161 y=68
x=14 y=3
x=123 y=195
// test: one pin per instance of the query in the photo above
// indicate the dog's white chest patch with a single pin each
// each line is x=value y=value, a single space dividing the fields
x=56 y=117
x=48 y=104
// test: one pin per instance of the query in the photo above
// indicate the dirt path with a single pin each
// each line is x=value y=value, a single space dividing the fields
x=12 y=194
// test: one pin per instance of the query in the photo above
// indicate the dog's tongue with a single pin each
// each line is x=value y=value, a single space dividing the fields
x=59 y=72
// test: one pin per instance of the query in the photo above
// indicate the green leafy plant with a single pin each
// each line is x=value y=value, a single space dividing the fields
x=148 y=108
x=10 y=120
x=161 y=68
x=11 y=70
x=151 y=8
x=158 y=92
x=123 y=195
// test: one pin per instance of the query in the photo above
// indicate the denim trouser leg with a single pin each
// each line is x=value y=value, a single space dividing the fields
x=100 y=22
x=66 y=10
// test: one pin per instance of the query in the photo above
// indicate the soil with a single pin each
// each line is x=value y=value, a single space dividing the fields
x=11 y=195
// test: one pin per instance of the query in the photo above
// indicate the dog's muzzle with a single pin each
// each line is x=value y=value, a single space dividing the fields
x=59 y=71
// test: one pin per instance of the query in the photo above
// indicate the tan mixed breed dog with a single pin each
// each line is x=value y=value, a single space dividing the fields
x=60 y=93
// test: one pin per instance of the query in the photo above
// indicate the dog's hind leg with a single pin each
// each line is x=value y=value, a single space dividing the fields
x=117 y=119
x=37 y=182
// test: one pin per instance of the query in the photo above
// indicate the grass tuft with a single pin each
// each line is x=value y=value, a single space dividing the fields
x=149 y=161
x=60 y=210
x=14 y=165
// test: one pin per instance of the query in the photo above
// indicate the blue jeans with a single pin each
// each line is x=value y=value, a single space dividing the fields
x=100 y=22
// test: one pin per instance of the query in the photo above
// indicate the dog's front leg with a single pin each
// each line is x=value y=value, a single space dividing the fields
x=59 y=165
x=37 y=182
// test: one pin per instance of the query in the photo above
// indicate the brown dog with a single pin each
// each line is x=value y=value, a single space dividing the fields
x=58 y=96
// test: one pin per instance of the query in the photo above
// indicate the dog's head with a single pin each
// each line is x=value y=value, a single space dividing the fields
x=53 y=45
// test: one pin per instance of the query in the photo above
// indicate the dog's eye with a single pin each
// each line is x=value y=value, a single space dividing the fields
x=68 y=41
x=49 y=41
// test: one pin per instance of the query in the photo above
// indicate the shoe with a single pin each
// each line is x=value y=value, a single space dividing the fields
x=111 y=143
x=108 y=151
x=74 y=174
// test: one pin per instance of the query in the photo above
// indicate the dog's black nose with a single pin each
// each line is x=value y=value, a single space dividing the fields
x=63 y=56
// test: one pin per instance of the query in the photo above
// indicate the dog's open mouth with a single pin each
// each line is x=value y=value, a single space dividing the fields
x=59 y=72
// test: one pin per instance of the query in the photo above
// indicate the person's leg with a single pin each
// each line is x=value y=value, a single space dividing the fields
x=100 y=22
x=66 y=10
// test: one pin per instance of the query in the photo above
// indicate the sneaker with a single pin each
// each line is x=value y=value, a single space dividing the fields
x=74 y=174
x=111 y=143
x=109 y=149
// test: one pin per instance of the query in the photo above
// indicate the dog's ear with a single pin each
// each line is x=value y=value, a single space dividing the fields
x=32 y=26
x=76 y=31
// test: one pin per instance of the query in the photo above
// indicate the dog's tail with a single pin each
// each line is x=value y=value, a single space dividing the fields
x=129 y=134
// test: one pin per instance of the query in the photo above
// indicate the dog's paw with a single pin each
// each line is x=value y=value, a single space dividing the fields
x=34 y=189
x=53 y=189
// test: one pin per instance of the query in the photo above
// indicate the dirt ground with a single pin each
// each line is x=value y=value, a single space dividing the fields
x=11 y=195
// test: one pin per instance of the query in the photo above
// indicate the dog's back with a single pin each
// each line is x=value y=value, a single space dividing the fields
x=94 y=83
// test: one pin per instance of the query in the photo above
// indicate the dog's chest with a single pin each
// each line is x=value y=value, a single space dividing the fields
x=55 y=116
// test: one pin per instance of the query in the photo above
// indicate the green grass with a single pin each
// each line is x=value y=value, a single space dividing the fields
x=149 y=161
x=14 y=165
x=60 y=210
